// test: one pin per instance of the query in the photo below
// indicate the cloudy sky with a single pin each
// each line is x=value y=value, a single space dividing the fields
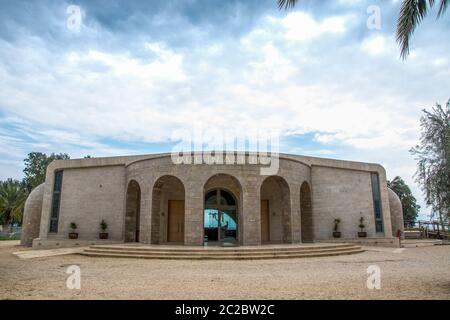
x=137 y=72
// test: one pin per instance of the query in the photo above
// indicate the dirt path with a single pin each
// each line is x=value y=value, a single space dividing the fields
x=412 y=273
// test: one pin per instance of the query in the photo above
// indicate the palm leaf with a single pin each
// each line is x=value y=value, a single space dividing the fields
x=286 y=4
x=12 y=200
x=412 y=12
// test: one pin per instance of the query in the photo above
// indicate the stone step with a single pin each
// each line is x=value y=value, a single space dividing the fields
x=217 y=252
x=227 y=257
x=220 y=249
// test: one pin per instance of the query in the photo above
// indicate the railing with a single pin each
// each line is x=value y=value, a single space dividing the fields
x=428 y=229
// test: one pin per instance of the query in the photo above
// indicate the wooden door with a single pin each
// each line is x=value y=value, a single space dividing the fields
x=175 y=232
x=265 y=225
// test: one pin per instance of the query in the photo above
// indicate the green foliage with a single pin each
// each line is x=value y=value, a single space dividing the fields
x=73 y=226
x=12 y=201
x=433 y=156
x=103 y=225
x=361 y=224
x=36 y=165
x=286 y=4
x=412 y=12
x=409 y=203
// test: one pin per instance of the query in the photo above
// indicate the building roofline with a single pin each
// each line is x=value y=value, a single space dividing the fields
x=131 y=159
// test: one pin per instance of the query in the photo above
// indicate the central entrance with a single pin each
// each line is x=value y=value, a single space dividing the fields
x=220 y=217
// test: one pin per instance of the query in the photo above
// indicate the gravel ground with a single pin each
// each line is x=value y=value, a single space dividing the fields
x=411 y=273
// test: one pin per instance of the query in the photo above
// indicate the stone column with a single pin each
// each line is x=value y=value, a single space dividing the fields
x=145 y=214
x=193 y=220
x=251 y=214
x=295 y=217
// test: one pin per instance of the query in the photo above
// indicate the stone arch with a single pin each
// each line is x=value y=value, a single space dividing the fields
x=32 y=216
x=306 y=213
x=168 y=210
x=133 y=210
x=226 y=184
x=275 y=210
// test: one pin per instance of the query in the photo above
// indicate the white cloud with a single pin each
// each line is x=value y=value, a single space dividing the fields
x=377 y=45
x=299 y=26
x=285 y=74
x=440 y=62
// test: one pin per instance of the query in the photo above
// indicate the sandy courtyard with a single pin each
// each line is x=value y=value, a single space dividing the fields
x=411 y=273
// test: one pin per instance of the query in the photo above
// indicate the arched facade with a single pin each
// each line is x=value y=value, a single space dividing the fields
x=222 y=210
x=154 y=200
x=276 y=217
x=168 y=211
x=132 y=215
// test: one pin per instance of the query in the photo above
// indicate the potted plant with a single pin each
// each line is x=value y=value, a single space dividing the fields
x=73 y=234
x=103 y=226
x=336 y=233
x=362 y=233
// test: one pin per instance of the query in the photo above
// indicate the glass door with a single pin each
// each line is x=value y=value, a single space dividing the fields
x=220 y=218
x=211 y=225
x=228 y=226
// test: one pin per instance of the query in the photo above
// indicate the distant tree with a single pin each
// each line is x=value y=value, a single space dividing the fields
x=412 y=12
x=12 y=201
x=409 y=203
x=36 y=165
x=433 y=156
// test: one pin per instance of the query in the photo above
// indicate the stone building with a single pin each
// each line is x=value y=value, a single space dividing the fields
x=153 y=200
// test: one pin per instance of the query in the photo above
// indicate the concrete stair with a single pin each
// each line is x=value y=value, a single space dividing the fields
x=217 y=253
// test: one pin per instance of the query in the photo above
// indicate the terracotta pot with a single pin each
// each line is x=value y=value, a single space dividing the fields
x=103 y=235
x=73 y=235
x=362 y=234
x=336 y=234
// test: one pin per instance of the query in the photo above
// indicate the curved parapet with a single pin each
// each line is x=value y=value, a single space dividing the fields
x=32 y=216
x=396 y=212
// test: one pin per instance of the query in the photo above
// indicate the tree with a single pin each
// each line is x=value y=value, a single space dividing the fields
x=36 y=165
x=433 y=156
x=12 y=201
x=409 y=203
x=412 y=12
x=287 y=4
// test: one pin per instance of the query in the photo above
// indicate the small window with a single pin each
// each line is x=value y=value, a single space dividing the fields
x=56 y=200
x=377 y=202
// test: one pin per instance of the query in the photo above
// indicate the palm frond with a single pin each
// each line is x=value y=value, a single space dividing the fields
x=411 y=14
x=286 y=4
x=442 y=7
x=12 y=200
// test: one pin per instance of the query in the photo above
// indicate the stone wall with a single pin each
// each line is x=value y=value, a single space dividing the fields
x=346 y=195
x=396 y=213
x=32 y=216
x=95 y=189
x=89 y=195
